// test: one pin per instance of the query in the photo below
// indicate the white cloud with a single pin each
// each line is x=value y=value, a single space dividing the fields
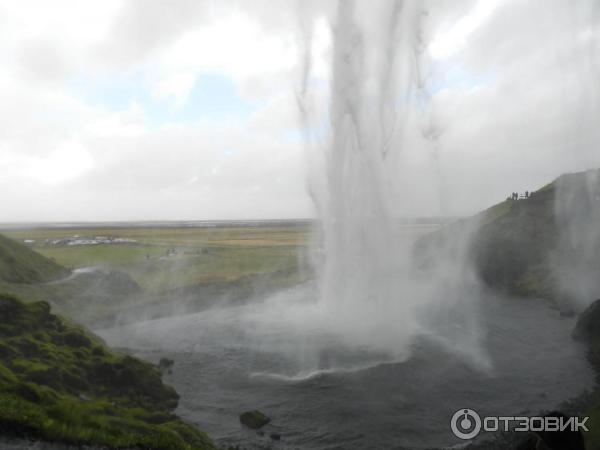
x=520 y=112
x=68 y=161
x=65 y=152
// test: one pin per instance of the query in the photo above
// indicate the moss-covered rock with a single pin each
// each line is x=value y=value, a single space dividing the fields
x=58 y=382
x=254 y=419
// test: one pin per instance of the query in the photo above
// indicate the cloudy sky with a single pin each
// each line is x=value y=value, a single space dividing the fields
x=154 y=110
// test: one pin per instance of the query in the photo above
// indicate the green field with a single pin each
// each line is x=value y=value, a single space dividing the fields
x=165 y=258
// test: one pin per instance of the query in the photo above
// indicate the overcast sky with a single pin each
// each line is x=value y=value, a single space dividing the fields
x=186 y=109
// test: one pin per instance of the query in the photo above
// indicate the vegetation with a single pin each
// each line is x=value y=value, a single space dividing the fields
x=514 y=245
x=166 y=258
x=61 y=383
x=154 y=271
x=19 y=264
x=496 y=212
x=512 y=249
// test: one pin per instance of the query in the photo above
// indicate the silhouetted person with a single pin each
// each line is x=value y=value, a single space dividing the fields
x=526 y=194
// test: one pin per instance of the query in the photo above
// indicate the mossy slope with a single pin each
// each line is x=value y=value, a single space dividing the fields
x=514 y=246
x=20 y=264
x=61 y=383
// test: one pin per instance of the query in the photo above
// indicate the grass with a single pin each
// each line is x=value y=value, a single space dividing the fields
x=19 y=264
x=185 y=236
x=60 y=383
x=203 y=255
x=108 y=255
x=496 y=211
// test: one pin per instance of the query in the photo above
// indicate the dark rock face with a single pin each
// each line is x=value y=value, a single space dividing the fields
x=553 y=440
x=254 y=419
x=587 y=327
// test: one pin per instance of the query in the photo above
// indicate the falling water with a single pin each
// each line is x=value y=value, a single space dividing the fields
x=363 y=269
x=367 y=287
x=576 y=259
x=316 y=366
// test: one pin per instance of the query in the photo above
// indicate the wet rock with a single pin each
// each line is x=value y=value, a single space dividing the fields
x=587 y=327
x=166 y=365
x=254 y=419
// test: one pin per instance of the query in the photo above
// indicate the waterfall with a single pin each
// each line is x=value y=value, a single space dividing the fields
x=368 y=288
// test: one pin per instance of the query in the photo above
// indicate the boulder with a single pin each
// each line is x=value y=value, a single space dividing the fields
x=254 y=419
x=166 y=365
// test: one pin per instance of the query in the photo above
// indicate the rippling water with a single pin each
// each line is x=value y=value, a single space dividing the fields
x=322 y=393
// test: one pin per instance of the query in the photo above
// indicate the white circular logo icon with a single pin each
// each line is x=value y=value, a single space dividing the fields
x=465 y=424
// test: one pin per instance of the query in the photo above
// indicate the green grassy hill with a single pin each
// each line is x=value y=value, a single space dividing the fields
x=513 y=246
x=527 y=247
x=60 y=383
x=30 y=275
x=516 y=246
x=20 y=264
